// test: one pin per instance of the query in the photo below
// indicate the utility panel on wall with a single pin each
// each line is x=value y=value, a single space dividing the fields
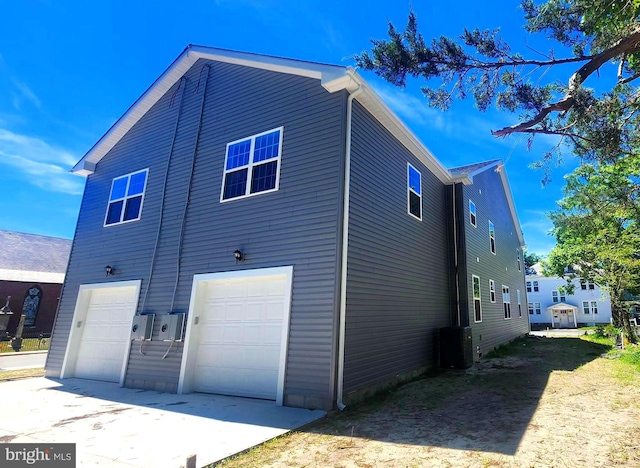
x=142 y=327
x=171 y=327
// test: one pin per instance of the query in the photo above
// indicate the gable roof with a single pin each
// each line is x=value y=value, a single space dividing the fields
x=333 y=78
x=465 y=174
x=33 y=258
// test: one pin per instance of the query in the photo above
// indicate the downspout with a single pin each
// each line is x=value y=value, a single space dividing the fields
x=345 y=251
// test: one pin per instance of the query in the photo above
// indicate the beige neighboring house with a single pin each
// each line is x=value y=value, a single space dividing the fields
x=549 y=307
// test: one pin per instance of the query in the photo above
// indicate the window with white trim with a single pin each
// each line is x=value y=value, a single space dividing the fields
x=492 y=290
x=506 y=301
x=472 y=213
x=125 y=198
x=594 y=307
x=492 y=238
x=585 y=307
x=477 y=303
x=586 y=284
x=414 y=192
x=592 y=310
x=535 y=286
x=554 y=296
x=530 y=307
x=519 y=303
x=252 y=165
x=518 y=260
x=528 y=286
x=537 y=307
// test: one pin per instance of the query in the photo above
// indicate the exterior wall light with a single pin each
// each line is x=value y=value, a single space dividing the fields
x=109 y=270
x=238 y=255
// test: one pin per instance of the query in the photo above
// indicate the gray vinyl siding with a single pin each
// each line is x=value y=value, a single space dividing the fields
x=296 y=225
x=487 y=192
x=398 y=281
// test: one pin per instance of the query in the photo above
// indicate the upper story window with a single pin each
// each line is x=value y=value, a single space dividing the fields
x=477 y=306
x=558 y=297
x=536 y=288
x=528 y=286
x=252 y=165
x=506 y=301
x=125 y=199
x=586 y=284
x=492 y=290
x=414 y=192
x=472 y=213
x=530 y=307
x=518 y=260
x=492 y=237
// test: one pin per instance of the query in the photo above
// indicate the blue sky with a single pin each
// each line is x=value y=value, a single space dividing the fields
x=69 y=69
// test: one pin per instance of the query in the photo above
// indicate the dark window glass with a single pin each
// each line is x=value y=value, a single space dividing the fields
x=264 y=177
x=414 y=205
x=115 y=210
x=235 y=184
x=132 y=209
x=478 y=310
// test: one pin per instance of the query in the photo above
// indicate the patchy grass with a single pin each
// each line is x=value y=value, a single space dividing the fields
x=522 y=407
x=21 y=374
x=28 y=344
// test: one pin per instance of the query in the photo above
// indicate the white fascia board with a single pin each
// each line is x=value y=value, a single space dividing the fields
x=31 y=276
x=383 y=113
x=175 y=71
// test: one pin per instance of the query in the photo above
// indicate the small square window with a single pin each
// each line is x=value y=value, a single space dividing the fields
x=252 y=165
x=472 y=213
x=414 y=192
x=125 y=199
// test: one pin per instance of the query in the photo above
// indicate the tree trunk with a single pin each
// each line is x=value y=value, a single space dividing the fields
x=620 y=315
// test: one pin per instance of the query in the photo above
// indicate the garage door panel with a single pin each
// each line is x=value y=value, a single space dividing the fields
x=105 y=336
x=239 y=342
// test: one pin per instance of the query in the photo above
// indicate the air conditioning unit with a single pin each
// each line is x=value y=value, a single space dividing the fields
x=456 y=347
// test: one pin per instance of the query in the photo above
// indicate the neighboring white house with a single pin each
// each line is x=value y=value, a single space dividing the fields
x=548 y=307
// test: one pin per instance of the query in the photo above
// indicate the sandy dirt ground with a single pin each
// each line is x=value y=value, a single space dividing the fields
x=555 y=402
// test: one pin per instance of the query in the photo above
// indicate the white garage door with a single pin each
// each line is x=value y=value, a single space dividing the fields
x=106 y=332
x=240 y=336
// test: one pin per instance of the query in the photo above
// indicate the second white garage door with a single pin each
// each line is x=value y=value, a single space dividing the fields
x=240 y=337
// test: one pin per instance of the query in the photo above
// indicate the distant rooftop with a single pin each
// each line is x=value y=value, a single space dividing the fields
x=30 y=257
x=471 y=168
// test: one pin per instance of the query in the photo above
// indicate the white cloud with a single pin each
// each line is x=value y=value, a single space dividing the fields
x=411 y=108
x=42 y=164
x=27 y=93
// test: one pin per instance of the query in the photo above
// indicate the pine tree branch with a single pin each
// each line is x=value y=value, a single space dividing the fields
x=626 y=45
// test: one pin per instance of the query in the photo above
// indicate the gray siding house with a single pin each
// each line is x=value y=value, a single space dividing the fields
x=268 y=228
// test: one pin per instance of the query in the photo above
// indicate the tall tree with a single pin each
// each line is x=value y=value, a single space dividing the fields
x=590 y=33
x=598 y=230
x=531 y=258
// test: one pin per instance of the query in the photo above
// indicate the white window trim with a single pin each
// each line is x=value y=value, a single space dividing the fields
x=479 y=298
x=536 y=287
x=409 y=190
x=492 y=236
x=529 y=287
x=530 y=308
x=594 y=307
x=519 y=303
x=537 y=308
x=492 y=291
x=507 y=301
x=555 y=297
x=474 y=212
x=250 y=166
x=124 y=199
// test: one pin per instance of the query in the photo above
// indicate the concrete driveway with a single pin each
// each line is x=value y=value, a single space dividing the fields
x=121 y=427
